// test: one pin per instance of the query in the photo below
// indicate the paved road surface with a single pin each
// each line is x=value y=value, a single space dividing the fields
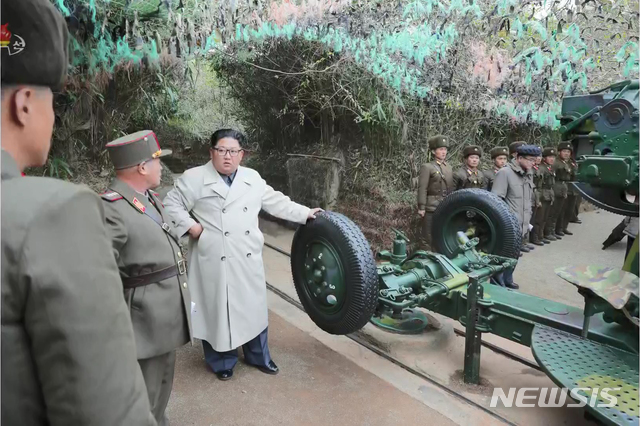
x=535 y=273
x=331 y=380
x=316 y=386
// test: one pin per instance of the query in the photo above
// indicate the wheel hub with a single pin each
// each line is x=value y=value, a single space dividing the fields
x=473 y=223
x=324 y=276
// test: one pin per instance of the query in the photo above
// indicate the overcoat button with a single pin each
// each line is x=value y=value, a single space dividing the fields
x=248 y=254
x=184 y=285
x=226 y=234
x=224 y=210
x=244 y=209
x=223 y=258
x=246 y=232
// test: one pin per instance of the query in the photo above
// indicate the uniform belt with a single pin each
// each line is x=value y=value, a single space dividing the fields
x=154 y=277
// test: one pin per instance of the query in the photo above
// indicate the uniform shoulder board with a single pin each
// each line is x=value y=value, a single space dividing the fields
x=111 y=196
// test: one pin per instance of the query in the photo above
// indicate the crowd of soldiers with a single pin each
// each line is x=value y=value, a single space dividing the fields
x=555 y=202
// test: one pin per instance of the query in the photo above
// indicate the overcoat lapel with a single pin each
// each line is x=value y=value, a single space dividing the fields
x=214 y=182
x=240 y=186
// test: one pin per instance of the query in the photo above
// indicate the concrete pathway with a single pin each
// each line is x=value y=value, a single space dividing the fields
x=316 y=386
x=331 y=380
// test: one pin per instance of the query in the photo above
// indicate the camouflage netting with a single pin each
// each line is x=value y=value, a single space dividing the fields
x=371 y=78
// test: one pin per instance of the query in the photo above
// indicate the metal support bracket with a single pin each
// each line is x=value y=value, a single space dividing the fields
x=473 y=338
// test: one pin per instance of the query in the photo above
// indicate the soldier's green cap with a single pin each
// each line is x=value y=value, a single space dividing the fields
x=513 y=146
x=549 y=152
x=498 y=151
x=471 y=150
x=133 y=149
x=565 y=145
x=438 y=141
x=34 y=44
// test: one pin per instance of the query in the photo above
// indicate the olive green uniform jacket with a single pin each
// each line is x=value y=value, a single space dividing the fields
x=434 y=183
x=161 y=310
x=490 y=176
x=68 y=352
x=467 y=178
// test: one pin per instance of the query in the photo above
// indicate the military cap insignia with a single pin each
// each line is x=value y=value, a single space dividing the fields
x=12 y=42
x=111 y=196
x=139 y=205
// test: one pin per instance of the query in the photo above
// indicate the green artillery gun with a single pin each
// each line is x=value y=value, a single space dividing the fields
x=342 y=286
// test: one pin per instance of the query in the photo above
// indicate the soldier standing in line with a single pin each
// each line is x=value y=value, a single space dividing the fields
x=562 y=169
x=572 y=202
x=151 y=262
x=469 y=176
x=499 y=155
x=513 y=149
x=435 y=183
x=68 y=351
x=546 y=183
x=537 y=181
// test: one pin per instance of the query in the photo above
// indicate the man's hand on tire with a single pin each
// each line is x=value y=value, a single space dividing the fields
x=421 y=213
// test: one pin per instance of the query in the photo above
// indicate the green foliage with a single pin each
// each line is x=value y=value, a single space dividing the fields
x=58 y=168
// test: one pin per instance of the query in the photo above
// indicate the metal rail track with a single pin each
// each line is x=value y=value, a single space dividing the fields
x=405 y=367
x=491 y=346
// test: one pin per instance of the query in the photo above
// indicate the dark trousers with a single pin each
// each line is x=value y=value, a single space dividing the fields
x=426 y=231
x=533 y=236
x=504 y=278
x=568 y=210
x=256 y=352
x=542 y=217
x=158 y=378
x=577 y=207
x=555 y=217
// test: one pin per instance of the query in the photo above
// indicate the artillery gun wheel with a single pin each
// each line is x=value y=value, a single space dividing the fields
x=334 y=273
x=478 y=213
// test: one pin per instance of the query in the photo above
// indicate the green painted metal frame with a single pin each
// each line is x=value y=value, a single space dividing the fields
x=459 y=288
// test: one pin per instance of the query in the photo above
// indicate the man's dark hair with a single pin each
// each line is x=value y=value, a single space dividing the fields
x=227 y=133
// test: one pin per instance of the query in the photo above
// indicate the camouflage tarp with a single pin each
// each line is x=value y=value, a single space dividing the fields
x=612 y=284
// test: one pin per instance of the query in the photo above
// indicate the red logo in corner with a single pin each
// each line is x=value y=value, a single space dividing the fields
x=12 y=42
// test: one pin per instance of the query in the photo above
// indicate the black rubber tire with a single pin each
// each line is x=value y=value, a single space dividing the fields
x=508 y=230
x=359 y=267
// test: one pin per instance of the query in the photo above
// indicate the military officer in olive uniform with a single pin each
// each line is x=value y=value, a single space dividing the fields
x=435 y=183
x=562 y=169
x=499 y=156
x=546 y=182
x=151 y=262
x=68 y=351
x=573 y=197
x=536 y=170
x=469 y=176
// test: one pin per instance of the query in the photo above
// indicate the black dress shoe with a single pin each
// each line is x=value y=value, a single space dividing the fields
x=513 y=286
x=224 y=374
x=270 y=368
x=550 y=237
x=575 y=221
x=538 y=243
x=567 y=232
x=546 y=241
x=559 y=235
